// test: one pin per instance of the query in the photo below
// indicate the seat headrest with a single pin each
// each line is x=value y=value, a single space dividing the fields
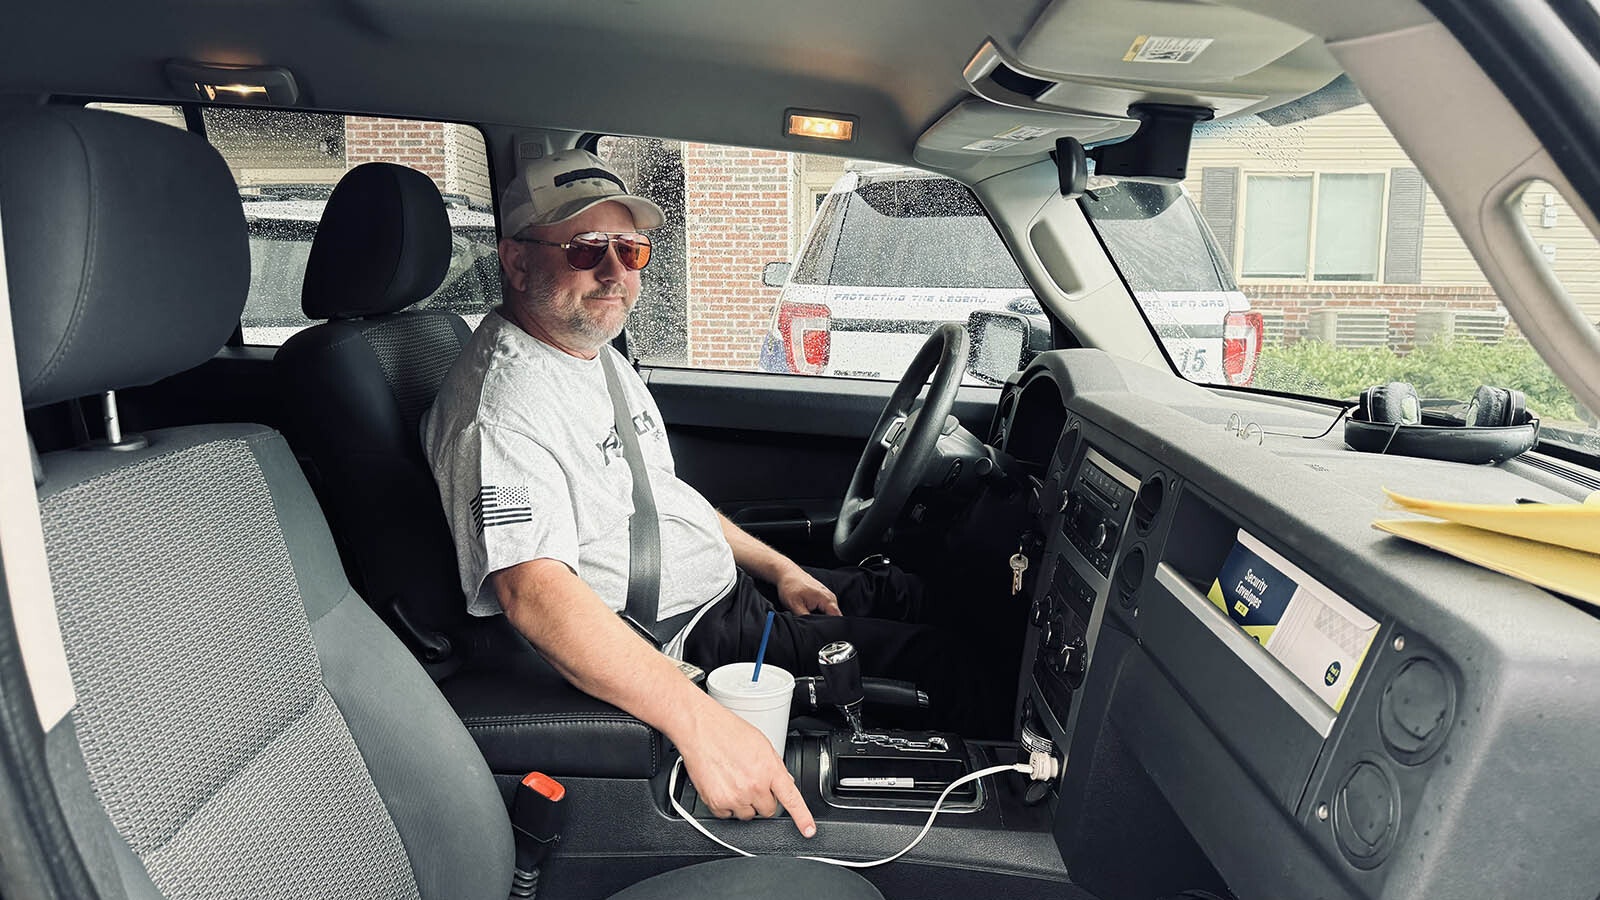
x=125 y=249
x=383 y=244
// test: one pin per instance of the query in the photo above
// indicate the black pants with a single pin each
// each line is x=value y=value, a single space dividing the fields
x=885 y=617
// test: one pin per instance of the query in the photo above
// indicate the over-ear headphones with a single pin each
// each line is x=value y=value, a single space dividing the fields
x=1389 y=418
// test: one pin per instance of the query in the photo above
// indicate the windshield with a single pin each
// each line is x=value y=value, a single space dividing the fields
x=1343 y=268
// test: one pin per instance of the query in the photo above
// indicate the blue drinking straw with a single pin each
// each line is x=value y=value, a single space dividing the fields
x=762 y=653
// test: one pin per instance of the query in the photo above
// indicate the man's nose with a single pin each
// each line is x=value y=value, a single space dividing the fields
x=611 y=267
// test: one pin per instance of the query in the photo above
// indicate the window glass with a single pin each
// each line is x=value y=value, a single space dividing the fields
x=1349 y=221
x=287 y=163
x=1160 y=240
x=883 y=256
x=1351 y=272
x=1277 y=223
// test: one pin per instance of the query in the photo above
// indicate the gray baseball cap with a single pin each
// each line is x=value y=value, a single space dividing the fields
x=557 y=187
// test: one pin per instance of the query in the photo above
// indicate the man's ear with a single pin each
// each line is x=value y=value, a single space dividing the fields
x=512 y=260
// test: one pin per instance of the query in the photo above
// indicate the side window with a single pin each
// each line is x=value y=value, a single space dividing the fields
x=882 y=255
x=287 y=163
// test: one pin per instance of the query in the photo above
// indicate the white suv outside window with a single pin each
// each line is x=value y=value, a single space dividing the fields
x=896 y=252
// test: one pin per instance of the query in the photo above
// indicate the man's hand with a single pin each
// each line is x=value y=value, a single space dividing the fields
x=738 y=775
x=804 y=595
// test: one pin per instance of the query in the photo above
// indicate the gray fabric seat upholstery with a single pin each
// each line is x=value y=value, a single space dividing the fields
x=356 y=386
x=245 y=726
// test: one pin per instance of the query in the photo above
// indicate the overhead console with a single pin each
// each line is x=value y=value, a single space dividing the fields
x=1085 y=64
x=1257 y=692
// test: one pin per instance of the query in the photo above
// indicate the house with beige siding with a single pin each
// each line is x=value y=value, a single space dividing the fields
x=1333 y=234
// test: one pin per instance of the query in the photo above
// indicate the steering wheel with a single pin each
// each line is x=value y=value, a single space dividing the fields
x=901 y=444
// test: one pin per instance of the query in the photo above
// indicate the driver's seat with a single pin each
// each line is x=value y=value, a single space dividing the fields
x=244 y=725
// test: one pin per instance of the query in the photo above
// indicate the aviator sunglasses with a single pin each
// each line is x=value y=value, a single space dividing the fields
x=586 y=250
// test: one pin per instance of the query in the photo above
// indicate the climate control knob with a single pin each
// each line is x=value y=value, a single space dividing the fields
x=1103 y=535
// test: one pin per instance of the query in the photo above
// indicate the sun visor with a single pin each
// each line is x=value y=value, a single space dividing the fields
x=977 y=128
x=1153 y=41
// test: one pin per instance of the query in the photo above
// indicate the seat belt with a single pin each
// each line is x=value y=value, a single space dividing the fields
x=644 y=527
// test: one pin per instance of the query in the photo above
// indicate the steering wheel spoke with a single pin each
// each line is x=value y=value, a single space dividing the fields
x=902 y=444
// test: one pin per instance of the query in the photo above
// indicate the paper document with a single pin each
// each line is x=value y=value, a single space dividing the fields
x=1573 y=525
x=1313 y=632
x=1571 y=572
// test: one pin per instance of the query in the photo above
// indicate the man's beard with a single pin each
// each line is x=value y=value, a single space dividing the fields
x=542 y=295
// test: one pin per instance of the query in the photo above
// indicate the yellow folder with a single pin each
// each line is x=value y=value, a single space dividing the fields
x=1572 y=572
x=1572 y=525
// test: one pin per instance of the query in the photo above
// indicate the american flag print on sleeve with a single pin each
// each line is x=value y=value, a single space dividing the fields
x=501 y=505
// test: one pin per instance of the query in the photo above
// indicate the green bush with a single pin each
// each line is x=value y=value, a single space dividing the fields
x=1442 y=368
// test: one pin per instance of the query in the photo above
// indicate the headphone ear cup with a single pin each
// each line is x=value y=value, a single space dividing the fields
x=1490 y=408
x=1395 y=403
x=1516 y=407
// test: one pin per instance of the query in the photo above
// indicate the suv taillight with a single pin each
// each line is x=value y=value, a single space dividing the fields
x=1242 y=333
x=807 y=342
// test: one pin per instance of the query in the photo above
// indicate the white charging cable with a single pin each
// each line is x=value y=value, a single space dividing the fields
x=1040 y=767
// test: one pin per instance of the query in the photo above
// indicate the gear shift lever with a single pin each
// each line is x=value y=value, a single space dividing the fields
x=841 y=672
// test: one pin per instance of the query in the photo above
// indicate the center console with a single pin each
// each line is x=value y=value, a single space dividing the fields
x=1086 y=515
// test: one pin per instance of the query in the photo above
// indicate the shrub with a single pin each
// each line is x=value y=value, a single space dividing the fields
x=1442 y=368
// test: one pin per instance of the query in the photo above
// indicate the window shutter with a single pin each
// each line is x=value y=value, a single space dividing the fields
x=1402 y=252
x=1219 y=195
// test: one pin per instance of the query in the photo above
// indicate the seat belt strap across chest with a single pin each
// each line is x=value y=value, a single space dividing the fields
x=644 y=527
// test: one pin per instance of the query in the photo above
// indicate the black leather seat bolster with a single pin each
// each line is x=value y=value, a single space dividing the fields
x=526 y=717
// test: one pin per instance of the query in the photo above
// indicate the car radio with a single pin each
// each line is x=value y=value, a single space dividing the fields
x=1094 y=511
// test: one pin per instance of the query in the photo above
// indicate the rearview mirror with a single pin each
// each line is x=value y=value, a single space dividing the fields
x=775 y=274
x=1003 y=342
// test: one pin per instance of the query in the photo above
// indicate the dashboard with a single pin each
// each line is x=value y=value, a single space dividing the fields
x=1402 y=724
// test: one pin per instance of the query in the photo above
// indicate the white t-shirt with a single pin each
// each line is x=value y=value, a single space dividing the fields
x=522 y=442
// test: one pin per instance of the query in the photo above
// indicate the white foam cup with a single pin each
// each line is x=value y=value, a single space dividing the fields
x=764 y=703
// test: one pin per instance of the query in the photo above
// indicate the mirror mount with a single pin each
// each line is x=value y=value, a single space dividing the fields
x=1159 y=150
x=1072 y=166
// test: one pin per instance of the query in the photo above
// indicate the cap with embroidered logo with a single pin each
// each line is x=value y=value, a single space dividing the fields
x=557 y=187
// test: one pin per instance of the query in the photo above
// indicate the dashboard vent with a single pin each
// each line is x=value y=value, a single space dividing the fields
x=1130 y=577
x=1147 y=505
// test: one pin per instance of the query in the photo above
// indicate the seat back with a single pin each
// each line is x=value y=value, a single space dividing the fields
x=356 y=386
x=245 y=726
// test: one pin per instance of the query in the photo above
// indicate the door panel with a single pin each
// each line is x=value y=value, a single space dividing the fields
x=776 y=452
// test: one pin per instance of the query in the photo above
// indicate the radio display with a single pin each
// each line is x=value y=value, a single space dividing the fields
x=1313 y=632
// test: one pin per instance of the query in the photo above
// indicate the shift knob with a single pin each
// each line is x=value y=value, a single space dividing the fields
x=841 y=671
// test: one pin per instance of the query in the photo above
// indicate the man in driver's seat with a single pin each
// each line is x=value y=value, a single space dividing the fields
x=538 y=491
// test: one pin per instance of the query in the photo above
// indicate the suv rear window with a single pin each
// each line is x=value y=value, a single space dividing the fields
x=916 y=233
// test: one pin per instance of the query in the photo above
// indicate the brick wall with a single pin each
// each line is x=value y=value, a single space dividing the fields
x=420 y=145
x=1296 y=302
x=737 y=207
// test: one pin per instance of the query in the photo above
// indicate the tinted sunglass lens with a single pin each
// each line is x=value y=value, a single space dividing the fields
x=585 y=252
x=633 y=251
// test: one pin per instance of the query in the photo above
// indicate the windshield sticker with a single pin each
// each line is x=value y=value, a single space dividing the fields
x=1154 y=49
x=1313 y=632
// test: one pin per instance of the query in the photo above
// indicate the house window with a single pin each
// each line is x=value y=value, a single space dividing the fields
x=1323 y=226
x=1277 y=226
x=1349 y=223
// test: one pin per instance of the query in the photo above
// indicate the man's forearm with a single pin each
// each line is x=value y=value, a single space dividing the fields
x=754 y=556
x=593 y=648
x=733 y=765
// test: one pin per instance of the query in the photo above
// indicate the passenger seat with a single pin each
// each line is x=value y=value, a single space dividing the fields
x=356 y=386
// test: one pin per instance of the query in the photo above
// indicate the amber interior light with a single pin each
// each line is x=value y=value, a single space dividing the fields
x=821 y=127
